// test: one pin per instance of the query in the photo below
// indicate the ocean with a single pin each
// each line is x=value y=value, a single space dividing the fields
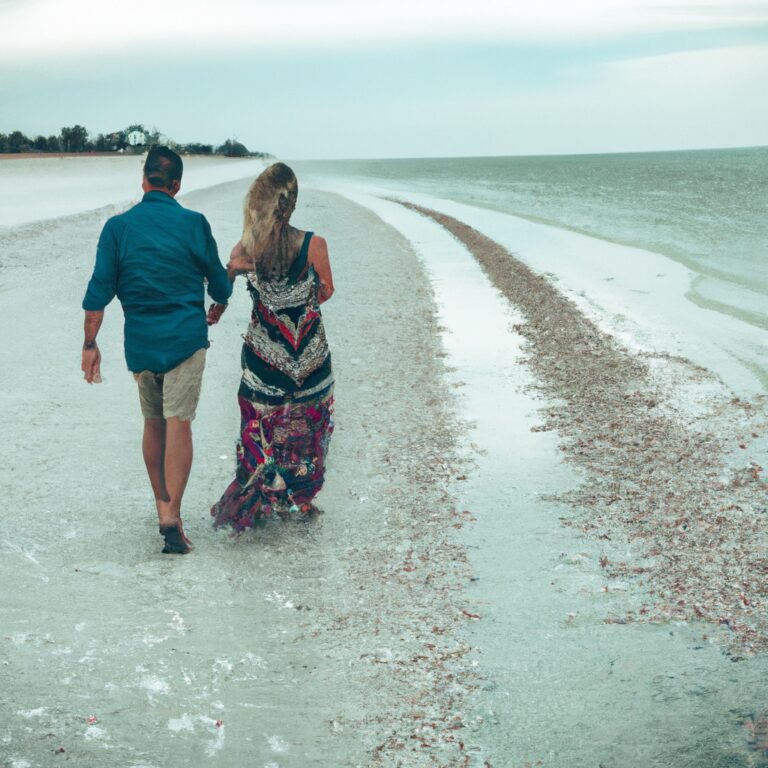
x=705 y=211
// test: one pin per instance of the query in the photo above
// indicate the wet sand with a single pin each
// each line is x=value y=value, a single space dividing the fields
x=384 y=632
x=574 y=671
x=664 y=450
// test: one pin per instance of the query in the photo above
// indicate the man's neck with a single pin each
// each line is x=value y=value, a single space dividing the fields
x=164 y=190
x=170 y=191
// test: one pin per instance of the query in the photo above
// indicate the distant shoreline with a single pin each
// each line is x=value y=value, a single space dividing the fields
x=34 y=155
x=42 y=155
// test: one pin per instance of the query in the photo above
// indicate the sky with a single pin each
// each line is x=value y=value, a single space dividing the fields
x=305 y=79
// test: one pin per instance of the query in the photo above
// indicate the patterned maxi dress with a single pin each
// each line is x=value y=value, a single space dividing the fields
x=285 y=398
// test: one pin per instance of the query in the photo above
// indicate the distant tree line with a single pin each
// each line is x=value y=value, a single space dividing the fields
x=134 y=138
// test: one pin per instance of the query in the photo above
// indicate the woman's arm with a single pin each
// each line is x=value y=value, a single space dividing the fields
x=319 y=261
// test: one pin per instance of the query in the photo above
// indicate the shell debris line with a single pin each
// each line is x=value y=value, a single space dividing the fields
x=666 y=454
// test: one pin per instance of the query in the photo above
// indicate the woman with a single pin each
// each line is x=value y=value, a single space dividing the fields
x=286 y=392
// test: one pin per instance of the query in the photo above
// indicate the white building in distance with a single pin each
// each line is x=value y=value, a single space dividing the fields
x=136 y=137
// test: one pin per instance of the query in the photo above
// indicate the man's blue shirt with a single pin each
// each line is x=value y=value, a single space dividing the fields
x=153 y=258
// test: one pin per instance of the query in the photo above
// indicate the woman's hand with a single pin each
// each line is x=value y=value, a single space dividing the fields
x=325 y=292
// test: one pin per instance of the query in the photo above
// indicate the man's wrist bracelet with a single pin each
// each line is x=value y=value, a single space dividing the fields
x=89 y=344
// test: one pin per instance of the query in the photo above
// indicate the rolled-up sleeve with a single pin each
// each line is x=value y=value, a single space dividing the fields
x=219 y=284
x=102 y=286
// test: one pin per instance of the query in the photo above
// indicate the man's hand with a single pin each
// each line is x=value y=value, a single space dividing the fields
x=91 y=364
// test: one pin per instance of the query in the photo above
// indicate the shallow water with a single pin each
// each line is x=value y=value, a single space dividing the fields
x=296 y=645
x=111 y=653
x=146 y=682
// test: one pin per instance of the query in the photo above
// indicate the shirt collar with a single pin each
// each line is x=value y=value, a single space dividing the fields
x=158 y=197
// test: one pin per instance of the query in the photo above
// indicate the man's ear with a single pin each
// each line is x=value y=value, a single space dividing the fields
x=175 y=186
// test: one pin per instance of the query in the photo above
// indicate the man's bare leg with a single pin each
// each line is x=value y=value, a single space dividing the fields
x=176 y=469
x=153 y=448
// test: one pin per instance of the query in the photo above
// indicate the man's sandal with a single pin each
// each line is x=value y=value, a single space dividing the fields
x=176 y=543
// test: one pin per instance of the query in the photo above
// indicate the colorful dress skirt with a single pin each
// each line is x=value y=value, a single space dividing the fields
x=285 y=399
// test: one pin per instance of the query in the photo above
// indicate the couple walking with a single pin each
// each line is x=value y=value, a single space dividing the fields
x=156 y=258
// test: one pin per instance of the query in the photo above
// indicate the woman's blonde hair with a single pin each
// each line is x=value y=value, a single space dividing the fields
x=268 y=207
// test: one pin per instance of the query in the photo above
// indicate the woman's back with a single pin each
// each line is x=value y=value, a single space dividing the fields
x=285 y=355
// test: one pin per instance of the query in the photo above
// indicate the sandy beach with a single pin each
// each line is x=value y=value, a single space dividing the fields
x=539 y=546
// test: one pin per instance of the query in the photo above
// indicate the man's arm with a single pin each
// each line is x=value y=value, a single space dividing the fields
x=91 y=359
x=101 y=290
x=219 y=282
x=239 y=264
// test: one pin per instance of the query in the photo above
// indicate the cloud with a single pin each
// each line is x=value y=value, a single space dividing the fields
x=693 y=99
x=44 y=29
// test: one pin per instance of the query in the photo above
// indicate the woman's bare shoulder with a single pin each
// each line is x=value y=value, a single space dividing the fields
x=318 y=246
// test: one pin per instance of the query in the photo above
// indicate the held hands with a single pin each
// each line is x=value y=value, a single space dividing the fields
x=239 y=262
x=91 y=364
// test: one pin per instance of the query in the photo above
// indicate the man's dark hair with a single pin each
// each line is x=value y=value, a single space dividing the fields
x=162 y=167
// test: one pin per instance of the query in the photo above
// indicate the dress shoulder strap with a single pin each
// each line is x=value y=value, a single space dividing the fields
x=300 y=264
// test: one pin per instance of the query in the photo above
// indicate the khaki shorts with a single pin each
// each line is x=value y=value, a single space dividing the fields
x=174 y=394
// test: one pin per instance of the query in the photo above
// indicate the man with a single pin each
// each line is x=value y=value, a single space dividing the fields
x=155 y=258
